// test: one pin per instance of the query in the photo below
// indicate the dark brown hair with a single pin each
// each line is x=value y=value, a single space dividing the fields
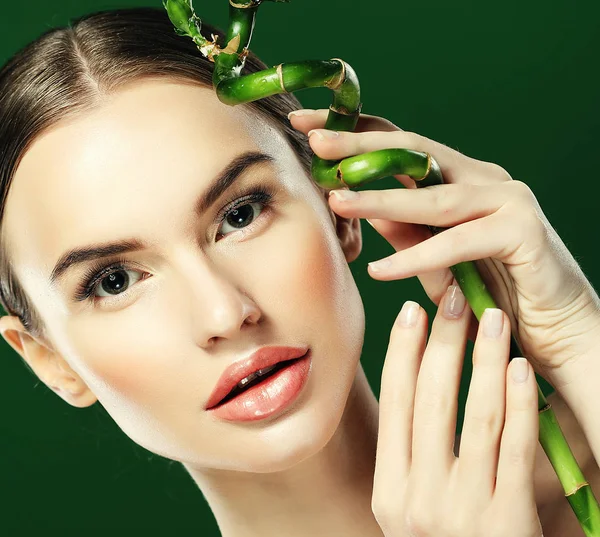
x=64 y=72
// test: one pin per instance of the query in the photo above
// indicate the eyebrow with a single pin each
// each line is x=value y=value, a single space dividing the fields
x=227 y=177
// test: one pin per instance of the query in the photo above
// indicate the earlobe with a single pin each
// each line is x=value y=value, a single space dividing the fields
x=49 y=366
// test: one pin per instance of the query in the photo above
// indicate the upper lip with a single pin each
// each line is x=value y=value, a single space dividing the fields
x=263 y=357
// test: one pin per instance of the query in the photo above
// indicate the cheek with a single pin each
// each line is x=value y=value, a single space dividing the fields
x=311 y=289
x=303 y=274
x=126 y=368
x=142 y=384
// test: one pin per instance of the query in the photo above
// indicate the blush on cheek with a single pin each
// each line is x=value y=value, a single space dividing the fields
x=305 y=275
x=122 y=365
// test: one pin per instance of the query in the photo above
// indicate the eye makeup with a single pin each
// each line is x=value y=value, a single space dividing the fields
x=93 y=277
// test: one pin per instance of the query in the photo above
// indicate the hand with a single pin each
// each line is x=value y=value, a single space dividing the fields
x=420 y=487
x=552 y=307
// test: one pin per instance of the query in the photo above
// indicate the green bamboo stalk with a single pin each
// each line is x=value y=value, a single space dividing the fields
x=232 y=88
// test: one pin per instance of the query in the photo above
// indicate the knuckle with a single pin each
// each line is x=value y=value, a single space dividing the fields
x=529 y=222
x=413 y=140
x=419 y=521
x=522 y=191
x=379 y=198
x=387 y=123
x=500 y=529
x=391 y=402
x=433 y=403
x=463 y=522
x=379 y=506
x=412 y=136
x=519 y=454
x=457 y=239
x=499 y=171
x=485 y=426
x=387 y=513
x=441 y=199
x=443 y=336
x=516 y=455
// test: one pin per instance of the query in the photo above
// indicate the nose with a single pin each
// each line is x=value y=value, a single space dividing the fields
x=220 y=309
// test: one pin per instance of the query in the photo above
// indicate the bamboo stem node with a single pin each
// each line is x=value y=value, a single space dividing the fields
x=344 y=113
x=337 y=82
x=280 y=75
x=581 y=485
x=254 y=3
x=427 y=170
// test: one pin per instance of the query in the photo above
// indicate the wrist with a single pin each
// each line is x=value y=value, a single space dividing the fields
x=576 y=382
x=584 y=360
x=581 y=340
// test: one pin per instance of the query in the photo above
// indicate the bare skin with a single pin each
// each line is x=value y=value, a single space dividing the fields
x=198 y=302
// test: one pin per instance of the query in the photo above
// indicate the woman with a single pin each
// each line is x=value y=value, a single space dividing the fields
x=197 y=278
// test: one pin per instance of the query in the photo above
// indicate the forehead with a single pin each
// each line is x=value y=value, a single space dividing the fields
x=144 y=146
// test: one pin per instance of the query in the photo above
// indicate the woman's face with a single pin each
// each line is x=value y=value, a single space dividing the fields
x=201 y=294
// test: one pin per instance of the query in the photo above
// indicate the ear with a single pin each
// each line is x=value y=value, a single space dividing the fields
x=348 y=231
x=49 y=366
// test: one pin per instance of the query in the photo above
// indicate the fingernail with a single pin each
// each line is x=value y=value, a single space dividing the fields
x=344 y=195
x=409 y=314
x=519 y=369
x=301 y=112
x=382 y=264
x=454 y=304
x=492 y=322
x=370 y=223
x=323 y=133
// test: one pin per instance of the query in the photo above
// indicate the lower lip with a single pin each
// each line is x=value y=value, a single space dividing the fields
x=269 y=397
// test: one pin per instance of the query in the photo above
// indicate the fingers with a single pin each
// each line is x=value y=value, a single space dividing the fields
x=400 y=236
x=436 y=401
x=306 y=120
x=440 y=205
x=478 y=239
x=348 y=144
x=485 y=407
x=520 y=435
x=374 y=133
x=396 y=398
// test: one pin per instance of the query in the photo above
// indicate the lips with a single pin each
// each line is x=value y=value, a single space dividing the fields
x=264 y=357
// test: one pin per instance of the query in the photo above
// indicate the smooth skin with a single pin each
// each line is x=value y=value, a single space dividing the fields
x=421 y=488
x=494 y=219
x=533 y=277
x=198 y=301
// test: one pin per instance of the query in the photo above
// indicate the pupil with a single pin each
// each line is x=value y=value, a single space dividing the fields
x=117 y=281
x=239 y=215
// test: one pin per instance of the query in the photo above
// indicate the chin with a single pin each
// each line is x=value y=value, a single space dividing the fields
x=298 y=433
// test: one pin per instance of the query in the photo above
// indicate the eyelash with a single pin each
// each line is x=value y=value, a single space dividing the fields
x=94 y=275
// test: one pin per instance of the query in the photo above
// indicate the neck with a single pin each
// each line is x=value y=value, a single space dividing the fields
x=328 y=493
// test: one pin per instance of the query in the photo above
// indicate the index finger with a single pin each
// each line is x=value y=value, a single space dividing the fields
x=307 y=119
x=456 y=167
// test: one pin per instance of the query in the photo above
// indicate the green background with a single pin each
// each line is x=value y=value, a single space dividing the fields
x=513 y=82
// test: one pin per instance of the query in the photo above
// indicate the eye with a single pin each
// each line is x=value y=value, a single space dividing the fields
x=103 y=282
x=242 y=216
x=243 y=212
x=110 y=281
x=115 y=283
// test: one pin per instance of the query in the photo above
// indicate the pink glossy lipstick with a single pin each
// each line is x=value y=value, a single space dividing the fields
x=260 y=385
